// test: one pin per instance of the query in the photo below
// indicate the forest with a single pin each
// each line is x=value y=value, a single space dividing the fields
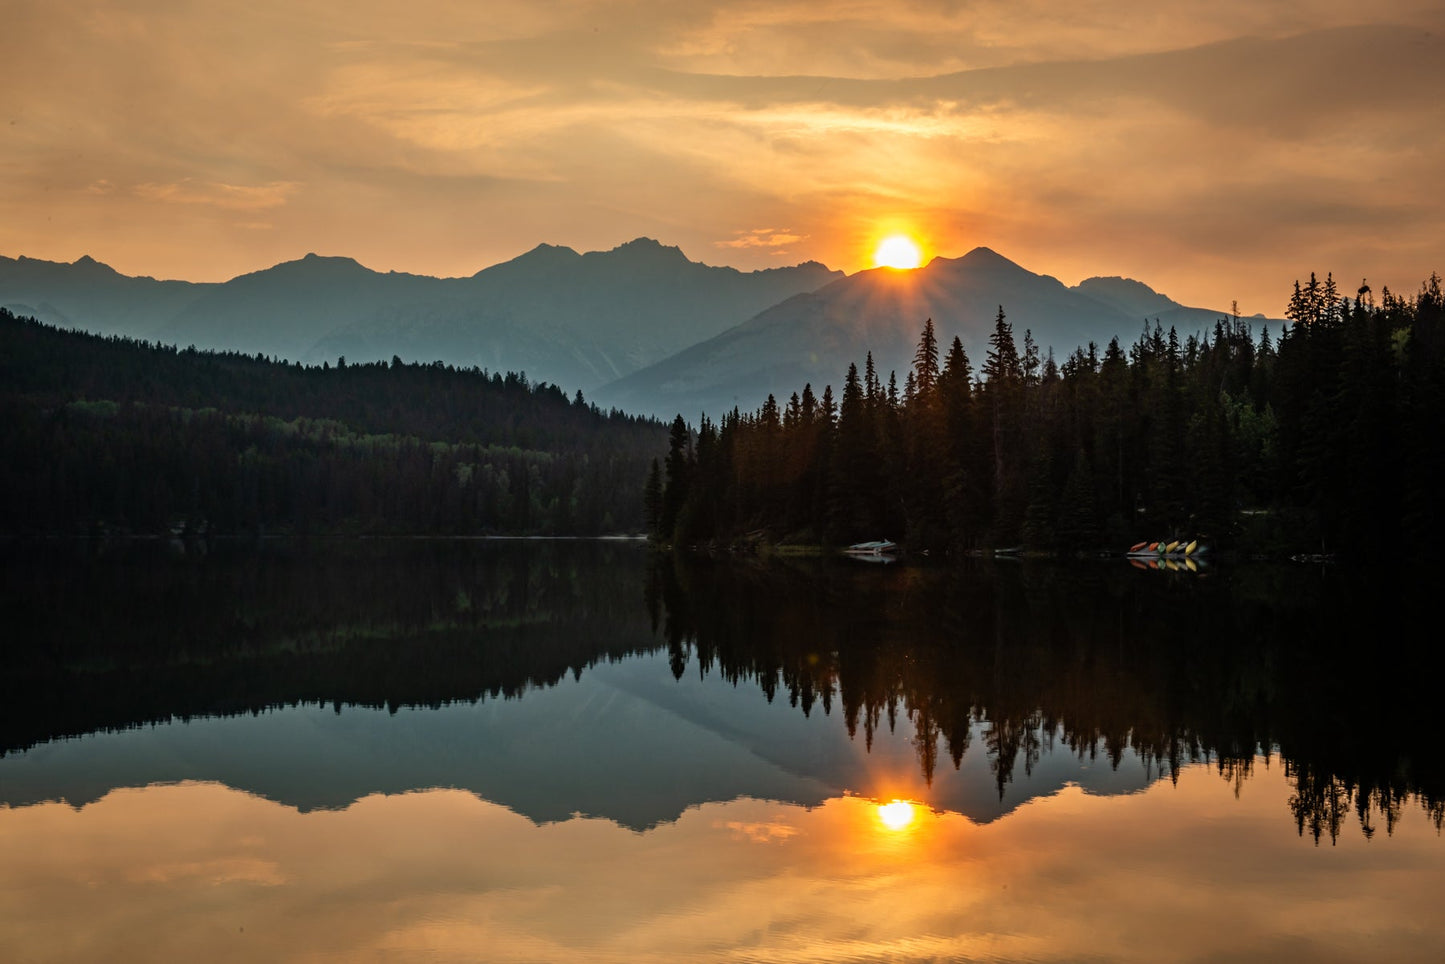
x=113 y=435
x=1324 y=439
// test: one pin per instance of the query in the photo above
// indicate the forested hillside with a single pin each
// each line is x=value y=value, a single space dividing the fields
x=117 y=433
x=1326 y=438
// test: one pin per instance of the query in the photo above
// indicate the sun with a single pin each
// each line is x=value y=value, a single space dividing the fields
x=898 y=251
x=896 y=815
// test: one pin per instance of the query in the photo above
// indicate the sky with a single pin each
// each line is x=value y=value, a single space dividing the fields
x=1216 y=150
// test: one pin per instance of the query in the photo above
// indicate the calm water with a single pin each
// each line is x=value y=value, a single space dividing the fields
x=539 y=751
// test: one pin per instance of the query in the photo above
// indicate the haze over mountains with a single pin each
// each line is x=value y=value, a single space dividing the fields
x=576 y=320
x=640 y=327
x=812 y=338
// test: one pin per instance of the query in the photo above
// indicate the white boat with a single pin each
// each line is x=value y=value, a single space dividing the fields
x=877 y=548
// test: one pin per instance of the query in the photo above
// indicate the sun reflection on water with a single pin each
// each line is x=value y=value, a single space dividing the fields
x=896 y=815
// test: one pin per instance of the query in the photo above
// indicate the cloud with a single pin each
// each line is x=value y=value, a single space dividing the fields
x=771 y=831
x=1087 y=138
x=761 y=238
x=230 y=197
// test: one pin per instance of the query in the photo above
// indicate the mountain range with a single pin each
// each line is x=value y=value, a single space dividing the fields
x=640 y=327
x=813 y=337
x=575 y=320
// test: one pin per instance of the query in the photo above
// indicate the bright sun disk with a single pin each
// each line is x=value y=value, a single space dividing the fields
x=896 y=815
x=897 y=251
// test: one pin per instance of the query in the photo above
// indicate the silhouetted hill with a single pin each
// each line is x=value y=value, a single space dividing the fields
x=1137 y=299
x=93 y=296
x=813 y=337
x=580 y=320
x=575 y=320
x=110 y=432
x=284 y=310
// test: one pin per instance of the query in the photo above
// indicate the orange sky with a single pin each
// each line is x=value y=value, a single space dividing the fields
x=1216 y=150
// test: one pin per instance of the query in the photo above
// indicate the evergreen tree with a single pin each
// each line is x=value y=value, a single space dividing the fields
x=925 y=361
x=679 y=476
x=1004 y=389
x=856 y=470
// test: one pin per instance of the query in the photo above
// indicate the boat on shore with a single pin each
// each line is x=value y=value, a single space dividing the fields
x=1176 y=550
x=878 y=547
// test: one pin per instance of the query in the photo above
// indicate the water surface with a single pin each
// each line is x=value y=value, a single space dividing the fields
x=576 y=751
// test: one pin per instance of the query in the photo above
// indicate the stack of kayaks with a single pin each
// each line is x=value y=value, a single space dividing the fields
x=1167 y=555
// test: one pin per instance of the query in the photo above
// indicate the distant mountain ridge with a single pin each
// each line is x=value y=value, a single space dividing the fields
x=93 y=296
x=640 y=327
x=813 y=337
x=577 y=320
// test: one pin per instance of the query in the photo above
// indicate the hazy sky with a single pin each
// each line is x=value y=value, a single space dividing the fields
x=1216 y=150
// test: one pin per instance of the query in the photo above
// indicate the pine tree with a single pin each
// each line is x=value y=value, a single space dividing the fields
x=856 y=477
x=956 y=368
x=1030 y=362
x=1003 y=390
x=679 y=476
x=925 y=361
x=1002 y=358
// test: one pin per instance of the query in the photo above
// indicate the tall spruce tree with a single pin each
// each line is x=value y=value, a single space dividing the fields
x=925 y=361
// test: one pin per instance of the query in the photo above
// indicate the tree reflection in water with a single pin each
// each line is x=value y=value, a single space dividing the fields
x=1251 y=664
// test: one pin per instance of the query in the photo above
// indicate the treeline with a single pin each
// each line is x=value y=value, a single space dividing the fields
x=123 y=434
x=1326 y=439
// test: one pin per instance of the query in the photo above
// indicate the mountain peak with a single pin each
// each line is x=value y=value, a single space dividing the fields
x=1117 y=283
x=983 y=262
x=548 y=254
x=313 y=267
x=544 y=257
x=1132 y=297
x=651 y=249
x=545 y=248
x=86 y=263
x=984 y=256
x=314 y=260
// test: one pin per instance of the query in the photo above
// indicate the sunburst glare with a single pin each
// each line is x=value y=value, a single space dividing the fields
x=898 y=251
x=896 y=815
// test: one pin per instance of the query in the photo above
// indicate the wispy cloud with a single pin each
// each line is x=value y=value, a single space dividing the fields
x=229 y=197
x=769 y=831
x=1211 y=139
x=761 y=238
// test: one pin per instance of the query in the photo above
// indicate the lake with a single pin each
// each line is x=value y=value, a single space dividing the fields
x=582 y=751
